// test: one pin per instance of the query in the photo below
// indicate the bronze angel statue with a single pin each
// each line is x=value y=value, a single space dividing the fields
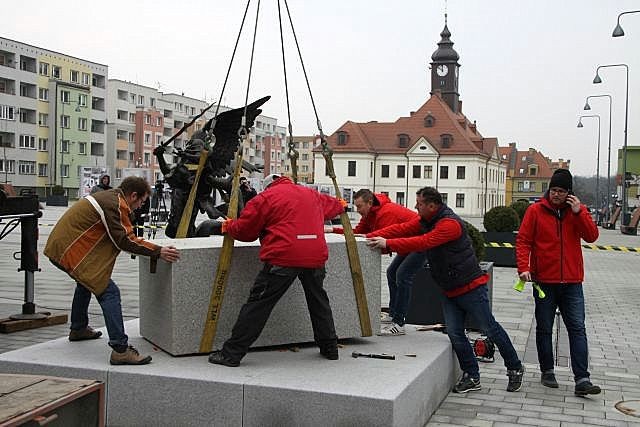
x=220 y=136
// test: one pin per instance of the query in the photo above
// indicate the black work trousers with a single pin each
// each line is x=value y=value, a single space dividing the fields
x=270 y=285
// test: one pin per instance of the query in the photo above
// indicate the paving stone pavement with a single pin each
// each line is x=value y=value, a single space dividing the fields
x=612 y=313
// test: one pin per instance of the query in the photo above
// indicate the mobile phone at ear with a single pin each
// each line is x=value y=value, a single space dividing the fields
x=571 y=193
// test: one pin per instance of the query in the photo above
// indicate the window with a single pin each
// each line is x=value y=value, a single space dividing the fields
x=428 y=172
x=64 y=146
x=444 y=172
x=416 y=171
x=158 y=139
x=446 y=140
x=533 y=170
x=147 y=158
x=403 y=140
x=351 y=168
x=132 y=118
x=64 y=121
x=342 y=138
x=82 y=123
x=305 y=145
x=6 y=112
x=385 y=171
x=64 y=171
x=7 y=166
x=43 y=94
x=44 y=69
x=152 y=102
x=147 y=119
x=305 y=168
x=82 y=147
x=544 y=186
x=147 y=138
x=82 y=100
x=65 y=96
x=42 y=144
x=28 y=141
x=74 y=76
x=400 y=198
x=43 y=119
x=400 y=171
x=140 y=100
x=158 y=121
x=26 y=168
x=460 y=200
x=445 y=197
x=85 y=79
x=132 y=98
x=55 y=72
x=429 y=121
x=460 y=172
x=42 y=169
x=305 y=156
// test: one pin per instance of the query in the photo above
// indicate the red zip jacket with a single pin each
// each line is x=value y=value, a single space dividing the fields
x=548 y=242
x=289 y=220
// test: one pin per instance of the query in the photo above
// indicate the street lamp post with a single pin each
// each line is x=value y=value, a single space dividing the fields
x=618 y=31
x=597 y=80
x=597 y=157
x=588 y=107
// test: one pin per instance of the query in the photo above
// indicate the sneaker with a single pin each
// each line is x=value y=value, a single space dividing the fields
x=585 y=388
x=385 y=317
x=392 y=329
x=515 y=378
x=330 y=353
x=129 y=357
x=548 y=379
x=219 y=359
x=87 y=333
x=466 y=384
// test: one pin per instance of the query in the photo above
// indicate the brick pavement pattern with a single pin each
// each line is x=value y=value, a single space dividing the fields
x=612 y=299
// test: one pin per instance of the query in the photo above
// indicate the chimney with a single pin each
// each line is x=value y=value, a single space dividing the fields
x=512 y=145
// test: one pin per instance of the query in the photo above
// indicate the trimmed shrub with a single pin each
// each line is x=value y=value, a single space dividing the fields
x=520 y=207
x=501 y=218
x=477 y=241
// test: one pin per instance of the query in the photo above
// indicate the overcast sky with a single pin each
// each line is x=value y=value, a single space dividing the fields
x=527 y=66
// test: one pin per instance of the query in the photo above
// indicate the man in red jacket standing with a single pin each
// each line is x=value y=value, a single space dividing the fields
x=289 y=220
x=548 y=252
x=378 y=212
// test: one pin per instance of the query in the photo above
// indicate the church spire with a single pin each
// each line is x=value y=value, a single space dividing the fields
x=444 y=69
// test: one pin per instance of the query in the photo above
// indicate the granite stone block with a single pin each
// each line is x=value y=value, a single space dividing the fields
x=174 y=300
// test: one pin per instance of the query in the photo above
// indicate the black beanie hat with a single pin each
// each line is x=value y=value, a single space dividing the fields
x=561 y=178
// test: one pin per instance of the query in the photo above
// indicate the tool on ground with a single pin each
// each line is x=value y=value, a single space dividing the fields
x=385 y=356
x=519 y=286
x=484 y=349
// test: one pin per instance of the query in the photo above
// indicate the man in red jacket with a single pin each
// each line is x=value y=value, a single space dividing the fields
x=378 y=212
x=289 y=220
x=548 y=252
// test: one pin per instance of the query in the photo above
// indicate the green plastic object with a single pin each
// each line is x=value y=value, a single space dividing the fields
x=519 y=286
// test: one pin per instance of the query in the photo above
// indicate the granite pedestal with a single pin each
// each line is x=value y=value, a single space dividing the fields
x=174 y=300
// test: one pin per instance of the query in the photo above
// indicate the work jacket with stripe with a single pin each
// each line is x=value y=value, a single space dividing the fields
x=87 y=239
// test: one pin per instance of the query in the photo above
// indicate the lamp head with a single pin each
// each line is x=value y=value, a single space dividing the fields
x=587 y=106
x=618 y=31
x=597 y=79
x=580 y=122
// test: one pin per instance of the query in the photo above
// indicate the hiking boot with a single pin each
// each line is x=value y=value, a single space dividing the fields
x=219 y=359
x=87 y=333
x=548 y=379
x=392 y=329
x=585 y=388
x=330 y=353
x=467 y=384
x=129 y=357
x=515 y=378
x=385 y=318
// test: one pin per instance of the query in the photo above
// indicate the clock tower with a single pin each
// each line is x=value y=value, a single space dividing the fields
x=444 y=69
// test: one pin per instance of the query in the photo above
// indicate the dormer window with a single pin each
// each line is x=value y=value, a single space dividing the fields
x=342 y=138
x=533 y=170
x=403 y=140
x=446 y=140
x=429 y=121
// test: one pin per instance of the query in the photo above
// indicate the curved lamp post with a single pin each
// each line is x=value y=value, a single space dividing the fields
x=618 y=31
x=597 y=157
x=587 y=107
x=597 y=80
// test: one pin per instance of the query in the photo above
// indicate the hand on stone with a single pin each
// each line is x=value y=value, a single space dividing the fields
x=169 y=254
x=377 y=242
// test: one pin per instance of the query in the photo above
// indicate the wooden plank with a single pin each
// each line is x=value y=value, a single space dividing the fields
x=11 y=383
x=9 y=325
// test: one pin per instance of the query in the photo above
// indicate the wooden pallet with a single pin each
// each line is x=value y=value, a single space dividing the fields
x=9 y=325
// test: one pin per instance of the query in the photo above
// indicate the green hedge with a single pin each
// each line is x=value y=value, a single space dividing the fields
x=501 y=218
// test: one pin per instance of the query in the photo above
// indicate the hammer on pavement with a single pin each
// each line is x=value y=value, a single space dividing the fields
x=386 y=356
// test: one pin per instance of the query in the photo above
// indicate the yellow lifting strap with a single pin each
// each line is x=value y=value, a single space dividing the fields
x=183 y=227
x=224 y=263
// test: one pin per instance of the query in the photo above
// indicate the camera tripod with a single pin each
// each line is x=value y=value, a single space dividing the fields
x=158 y=213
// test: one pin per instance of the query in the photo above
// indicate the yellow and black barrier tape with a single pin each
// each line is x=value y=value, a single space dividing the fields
x=586 y=246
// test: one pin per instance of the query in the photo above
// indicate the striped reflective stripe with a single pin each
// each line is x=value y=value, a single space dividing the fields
x=306 y=236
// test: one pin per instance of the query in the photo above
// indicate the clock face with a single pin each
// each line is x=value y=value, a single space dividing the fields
x=442 y=70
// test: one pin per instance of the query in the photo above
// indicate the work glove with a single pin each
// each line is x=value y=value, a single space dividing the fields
x=208 y=228
x=159 y=150
x=344 y=204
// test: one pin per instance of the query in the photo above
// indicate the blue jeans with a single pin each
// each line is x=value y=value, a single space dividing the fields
x=400 y=274
x=570 y=300
x=111 y=310
x=476 y=303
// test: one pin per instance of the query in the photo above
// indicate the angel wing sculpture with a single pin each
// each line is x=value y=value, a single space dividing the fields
x=221 y=138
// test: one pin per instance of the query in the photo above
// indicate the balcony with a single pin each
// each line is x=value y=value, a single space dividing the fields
x=7 y=86
x=28 y=63
x=97 y=126
x=7 y=59
x=97 y=149
x=28 y=90
x=98 y=81
x=97 y=103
